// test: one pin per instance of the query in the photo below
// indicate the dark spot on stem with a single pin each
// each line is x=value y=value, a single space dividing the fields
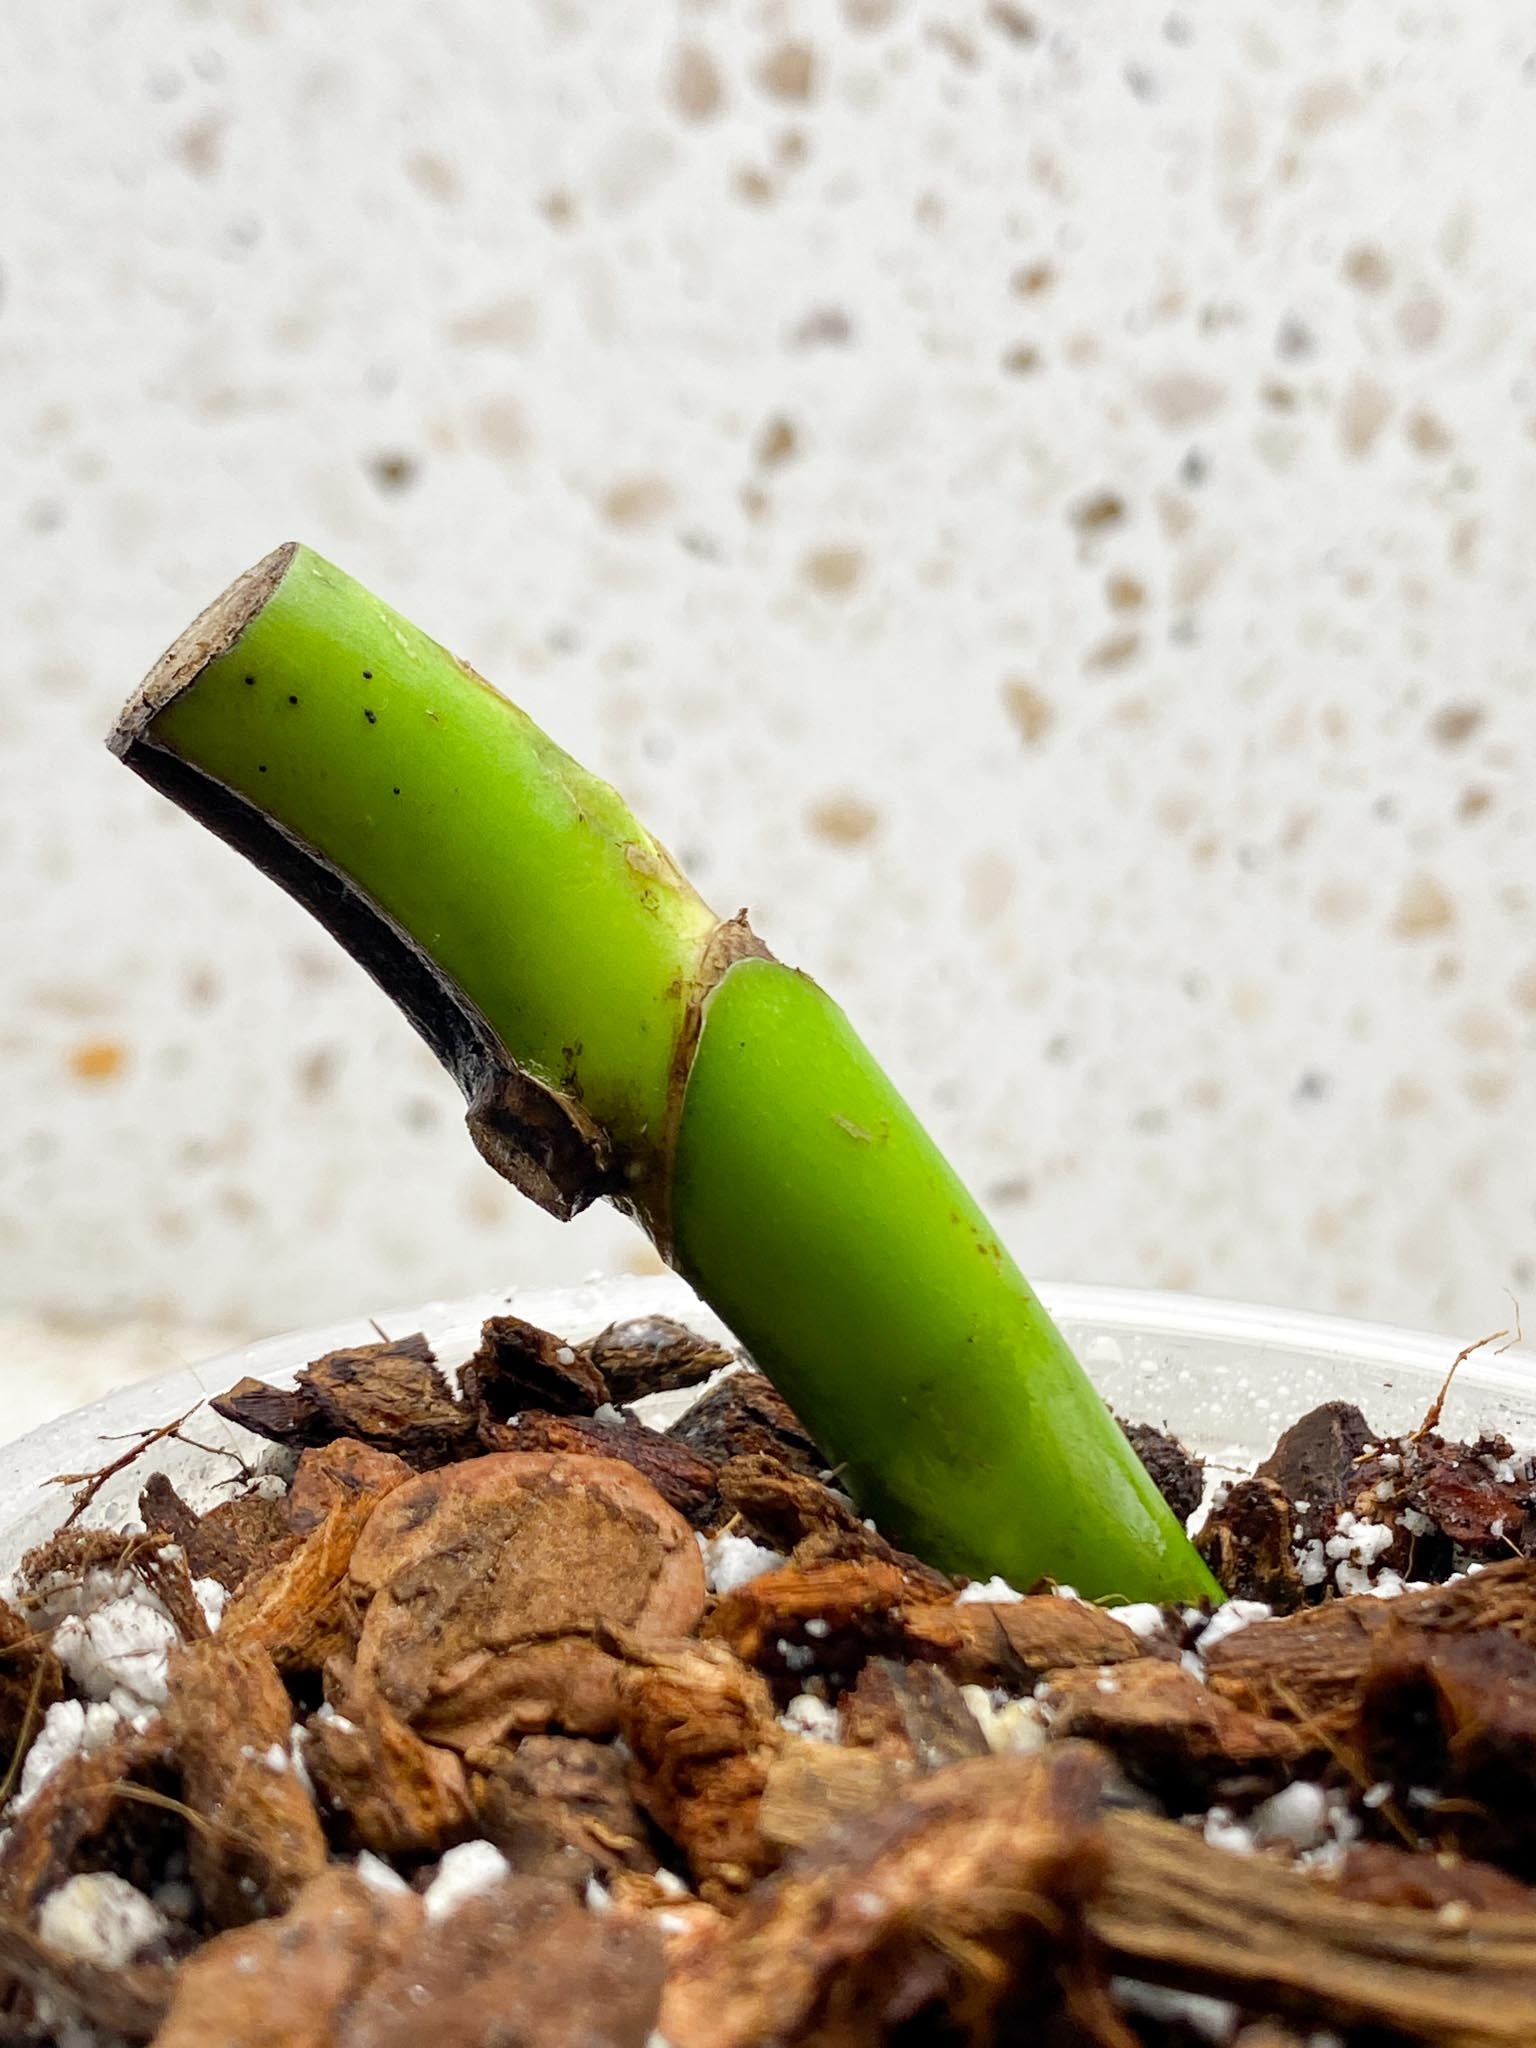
x=397 y=789
x=293 y=700
x=372 y=720
x=261 y=768
x=367 y=675
x=249 y=680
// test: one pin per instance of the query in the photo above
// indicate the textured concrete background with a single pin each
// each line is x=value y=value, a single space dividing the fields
x=1034 y=498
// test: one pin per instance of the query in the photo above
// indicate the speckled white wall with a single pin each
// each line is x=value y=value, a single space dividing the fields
x=1034 y=498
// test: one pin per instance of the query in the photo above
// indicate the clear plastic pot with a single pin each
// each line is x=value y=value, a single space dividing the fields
x=1224 y=1376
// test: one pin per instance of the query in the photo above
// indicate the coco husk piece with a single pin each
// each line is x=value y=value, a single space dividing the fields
x=990 y=1884
x=835 y=1805
x=1179 y=1912
x=963 y=1898
x=230 y=1720
x=614 y=1037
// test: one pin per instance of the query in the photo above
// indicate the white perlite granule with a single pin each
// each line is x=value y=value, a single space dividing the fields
x=798 y=1657
x=113 y=1634
x=464 y=1873
x=211 y=1597
x=1214 y=2018
x=732 y=1561
x=68 y=1726
x=1298 y=1815
x=175 y=1898
x=1223 y=1832
x=1142 y=1618
x=298 y=1735
x=1226 y=1621
x=807 y=1715
x=661 y=1411
x=1356 y=1548
x=378 y=1876
x=100 y=1918
x=1011 y=1727
x=119 y=1652
x=994 y=1591
x=1344 y=1829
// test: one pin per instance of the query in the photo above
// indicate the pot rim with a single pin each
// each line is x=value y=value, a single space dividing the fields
x=1239 y=1367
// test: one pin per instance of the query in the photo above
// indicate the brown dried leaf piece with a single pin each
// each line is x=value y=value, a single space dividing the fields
x=652 y=1355
x=301 y=1609
x=828 y=1618
x=561 y=1807
x=1459 y=1488
x=1015 y=1642
x=284 y=1415
x=520 y=1366
x=782 y=1506
x=684 y=1480
x=259 y=1840
x=396 y=1794
x=791 y=1512
x=1248 y=1544
x=340 y=1471
x=226 y=1543
x=957 y=1904
x=746 y=1416
x=290 y=1982
x=850 y=1606
x=1169 y=1732
x=1458 y=1713
x=702 y=1731
x=520 y=1966
x=813 y=1787
x=912 y=1713
x=1311 y=1665
x=488 y=1582
x=393 y=1397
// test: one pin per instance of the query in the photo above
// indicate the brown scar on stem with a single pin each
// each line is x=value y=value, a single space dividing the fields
x=731 y=940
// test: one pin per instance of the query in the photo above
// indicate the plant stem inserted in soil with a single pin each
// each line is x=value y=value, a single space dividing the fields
x=614 y=1038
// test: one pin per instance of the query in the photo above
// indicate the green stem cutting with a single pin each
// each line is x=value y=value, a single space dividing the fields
x=614 y=1038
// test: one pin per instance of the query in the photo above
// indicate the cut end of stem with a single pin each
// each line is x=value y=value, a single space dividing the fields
x=212 y=633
